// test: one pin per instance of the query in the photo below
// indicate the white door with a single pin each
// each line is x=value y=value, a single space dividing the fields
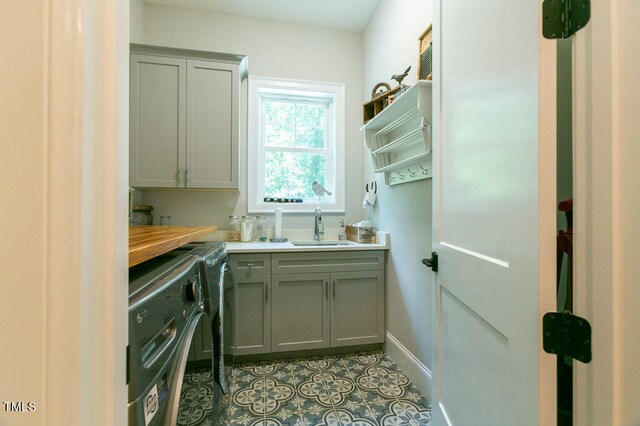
x=493 y=214
x=606 y=148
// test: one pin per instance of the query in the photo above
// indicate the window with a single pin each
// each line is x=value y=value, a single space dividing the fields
x=296 y=138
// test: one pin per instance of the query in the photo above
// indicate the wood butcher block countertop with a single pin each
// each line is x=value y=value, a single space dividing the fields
x=146 y=242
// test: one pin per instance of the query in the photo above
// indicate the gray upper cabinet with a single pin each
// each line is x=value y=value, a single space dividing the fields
x=157 y=135
x=184 y=118
x=212 y=125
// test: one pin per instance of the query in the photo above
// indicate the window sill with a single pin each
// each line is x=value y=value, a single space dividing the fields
x=293 y=208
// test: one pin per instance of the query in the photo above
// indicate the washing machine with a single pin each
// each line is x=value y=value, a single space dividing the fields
x=218 y=288
x=166 y=302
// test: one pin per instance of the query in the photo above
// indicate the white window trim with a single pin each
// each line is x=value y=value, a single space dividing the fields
x=334 y=91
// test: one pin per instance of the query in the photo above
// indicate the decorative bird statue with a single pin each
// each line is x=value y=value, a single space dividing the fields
x=400 y=77
x=319 y=189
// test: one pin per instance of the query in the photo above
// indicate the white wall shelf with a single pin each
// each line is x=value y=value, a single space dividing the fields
x=399 y=137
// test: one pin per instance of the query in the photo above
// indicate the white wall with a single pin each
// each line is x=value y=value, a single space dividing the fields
x=136 y=23
x=275 y=50
x=390 y=44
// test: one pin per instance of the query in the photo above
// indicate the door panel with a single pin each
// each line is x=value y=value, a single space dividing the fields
x=493 y=135
x=212 y=130
x=476 y=353
x=157 y=121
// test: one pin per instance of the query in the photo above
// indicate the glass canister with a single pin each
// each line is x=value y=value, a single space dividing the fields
x=233 y=229
x=260 y=229
x=246 y=229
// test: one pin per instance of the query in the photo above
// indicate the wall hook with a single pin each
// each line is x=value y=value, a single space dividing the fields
x=400 y=175
x=424 y=171
x=411 y=173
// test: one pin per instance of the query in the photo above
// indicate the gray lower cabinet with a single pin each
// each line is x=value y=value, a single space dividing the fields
x=202 y=344
x=300 y=312
x=357 y=308
x=252 y=300
x=300 y=301
x=252 y=316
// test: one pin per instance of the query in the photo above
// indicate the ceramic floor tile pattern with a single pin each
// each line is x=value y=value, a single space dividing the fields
x=361 y=389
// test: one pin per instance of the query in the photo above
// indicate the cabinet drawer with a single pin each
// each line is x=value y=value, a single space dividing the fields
x=336 y=261
x=250 y=264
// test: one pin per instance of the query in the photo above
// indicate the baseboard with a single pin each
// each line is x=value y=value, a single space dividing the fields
x=417 y=372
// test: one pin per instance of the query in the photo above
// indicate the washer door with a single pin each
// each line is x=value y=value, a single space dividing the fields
x=177 y=372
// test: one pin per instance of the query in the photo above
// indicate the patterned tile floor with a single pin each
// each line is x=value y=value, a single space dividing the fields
x=359 y=389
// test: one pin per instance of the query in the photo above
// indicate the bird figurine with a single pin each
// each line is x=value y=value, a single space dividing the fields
x=319 y=189
x=400 y=77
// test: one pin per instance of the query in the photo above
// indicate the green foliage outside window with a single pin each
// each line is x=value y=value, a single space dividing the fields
x=294 y=138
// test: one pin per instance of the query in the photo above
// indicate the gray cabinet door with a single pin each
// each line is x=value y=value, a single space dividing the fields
x=202 y=343
x=252 y=316
x=300 y=316
x=212 y=124
x=357 y=308
x=157 y=121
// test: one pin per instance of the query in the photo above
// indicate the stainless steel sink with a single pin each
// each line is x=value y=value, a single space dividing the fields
x=322 y=243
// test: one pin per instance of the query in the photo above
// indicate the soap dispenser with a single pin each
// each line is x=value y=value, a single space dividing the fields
x=342 y=235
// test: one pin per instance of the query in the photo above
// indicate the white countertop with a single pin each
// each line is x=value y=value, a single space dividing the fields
x=382 y=243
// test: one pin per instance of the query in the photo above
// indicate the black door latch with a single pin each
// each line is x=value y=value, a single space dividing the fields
x=433 y=262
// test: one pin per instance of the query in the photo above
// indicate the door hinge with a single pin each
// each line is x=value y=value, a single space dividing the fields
x=565 y=334
x=563 y=18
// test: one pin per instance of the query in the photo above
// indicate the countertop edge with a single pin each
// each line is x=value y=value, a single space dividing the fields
x=293 y=249
x=163 y=241
x=255 y=247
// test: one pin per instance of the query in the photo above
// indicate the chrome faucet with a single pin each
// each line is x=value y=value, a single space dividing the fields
x=318 y=227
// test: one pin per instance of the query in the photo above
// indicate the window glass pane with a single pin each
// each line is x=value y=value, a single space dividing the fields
x=291 y=174
x=279 y=112
x=310 y=114
x=290 y=124
x=279 y=135
x=310 y=137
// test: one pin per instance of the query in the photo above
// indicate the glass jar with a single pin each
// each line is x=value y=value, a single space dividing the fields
x=246 y=229
x=260 y=229
x=233 y=229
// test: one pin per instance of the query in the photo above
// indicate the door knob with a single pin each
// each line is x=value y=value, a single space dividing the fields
x=432 y=262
